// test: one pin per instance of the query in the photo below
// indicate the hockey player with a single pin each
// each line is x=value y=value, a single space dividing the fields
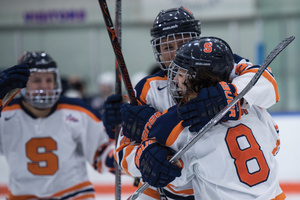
x=47 y=138
x=170 y=30
x=234 y=160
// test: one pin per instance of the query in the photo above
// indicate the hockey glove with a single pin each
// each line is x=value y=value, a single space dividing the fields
x=152 y=161
x=10 y=79
x=209 y=102
x=14 y=77
x=137 y=121
x=112 y=115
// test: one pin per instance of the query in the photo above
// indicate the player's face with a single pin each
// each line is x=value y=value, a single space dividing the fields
x=41 y=81
x=180 y=78
x=170 y=44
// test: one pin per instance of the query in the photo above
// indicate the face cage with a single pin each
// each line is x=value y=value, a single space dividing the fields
x=43 y=98
x=172 y=84
x=156 y=46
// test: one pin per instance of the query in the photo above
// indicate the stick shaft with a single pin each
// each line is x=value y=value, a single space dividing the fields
x=118 y=90
x=117 y=51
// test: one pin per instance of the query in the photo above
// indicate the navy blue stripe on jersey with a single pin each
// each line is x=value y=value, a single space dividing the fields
x=15 y=101
x=164 y=125
x=139 y=86
x=78 y=102
x=238 y=58
x=174 y=196
x=70 y=196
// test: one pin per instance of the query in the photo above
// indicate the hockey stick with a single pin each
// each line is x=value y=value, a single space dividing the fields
x=117 y=51
x=223 y=112
x=118 y=90
x=121 y=63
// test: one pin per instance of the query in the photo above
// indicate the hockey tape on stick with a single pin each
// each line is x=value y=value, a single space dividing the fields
x=118 y=90
x=117 y=51
x=223 y=112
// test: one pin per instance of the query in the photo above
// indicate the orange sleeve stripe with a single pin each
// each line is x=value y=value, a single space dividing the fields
x=128 y=150
x=146 y=87
x=186 y=192
x=144 y=93
x=12 y=107
x=150 y=192
x=269 y=78
x=174 y=134
x=239 y=69
x=78 y=108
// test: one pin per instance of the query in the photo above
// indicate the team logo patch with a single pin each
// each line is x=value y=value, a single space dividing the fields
x=71 y=118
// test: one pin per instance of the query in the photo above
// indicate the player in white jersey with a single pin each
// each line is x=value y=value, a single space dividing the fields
x=47 y=138
x=234 y=160
x=170 y=30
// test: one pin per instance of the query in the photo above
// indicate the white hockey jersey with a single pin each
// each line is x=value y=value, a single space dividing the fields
x=233 y=160
x=47 y=156
x=152 y=90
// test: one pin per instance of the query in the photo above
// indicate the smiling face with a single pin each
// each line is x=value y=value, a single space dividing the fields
x=169 y=45
x=41 y=81
x=43 y=88
x=165 y=47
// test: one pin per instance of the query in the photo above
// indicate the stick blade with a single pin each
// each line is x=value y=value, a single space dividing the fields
x=278 y=49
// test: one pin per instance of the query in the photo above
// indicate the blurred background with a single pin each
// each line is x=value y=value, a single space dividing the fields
x=74 y=34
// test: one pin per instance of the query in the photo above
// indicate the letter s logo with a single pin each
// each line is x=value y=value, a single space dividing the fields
x=207 y=47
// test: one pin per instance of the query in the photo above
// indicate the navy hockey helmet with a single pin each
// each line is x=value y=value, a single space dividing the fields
x=210 y=53
x=176 y=24
x=41 y=62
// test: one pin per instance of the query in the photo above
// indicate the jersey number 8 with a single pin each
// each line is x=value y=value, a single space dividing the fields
x=250 y=163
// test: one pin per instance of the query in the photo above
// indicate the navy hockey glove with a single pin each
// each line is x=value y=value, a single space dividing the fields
x=152 y=159
x=112 y=115
x=13 y=77
x=137 y=121
x=209 y=102
x=10 y=80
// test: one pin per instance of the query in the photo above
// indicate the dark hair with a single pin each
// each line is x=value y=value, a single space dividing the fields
x=203 y=78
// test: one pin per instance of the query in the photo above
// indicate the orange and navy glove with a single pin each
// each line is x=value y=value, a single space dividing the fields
x=137 y=121
x=208 y=103
x=152 y=159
